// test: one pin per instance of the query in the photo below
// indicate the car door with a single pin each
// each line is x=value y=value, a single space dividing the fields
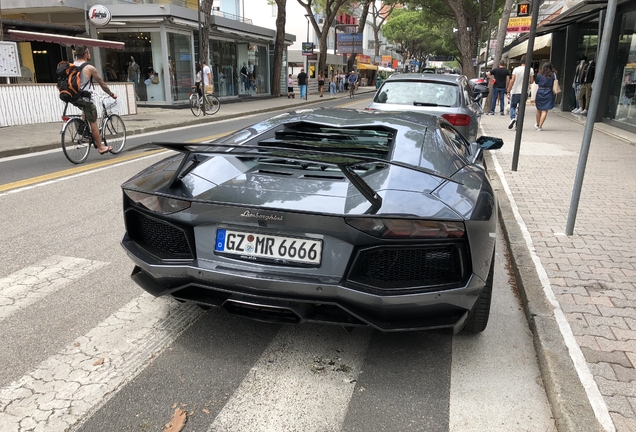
x=473 y=109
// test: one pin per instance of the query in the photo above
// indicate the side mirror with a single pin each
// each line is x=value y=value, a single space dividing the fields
x=489 y=143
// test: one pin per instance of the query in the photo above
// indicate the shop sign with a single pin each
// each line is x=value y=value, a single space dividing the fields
x=519 y=25
x=350 y=43
x=523 y=9
x=9 y=62
x=99 y=15
x=395 y=64
x=361 y=58
x=308 y=48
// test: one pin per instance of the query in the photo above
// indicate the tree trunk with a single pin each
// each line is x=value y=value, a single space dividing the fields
x=466 y=43
x=501 y=33
x=204 y=37
x=279 y=47
x=361 y=24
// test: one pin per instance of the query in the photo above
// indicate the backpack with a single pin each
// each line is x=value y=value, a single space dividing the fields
x=69 y=81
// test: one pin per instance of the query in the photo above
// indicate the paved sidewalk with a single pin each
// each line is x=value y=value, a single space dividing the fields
x=15 y=140
x=587 y=279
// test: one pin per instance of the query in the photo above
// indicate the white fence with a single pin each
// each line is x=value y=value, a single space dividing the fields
x=22 y=104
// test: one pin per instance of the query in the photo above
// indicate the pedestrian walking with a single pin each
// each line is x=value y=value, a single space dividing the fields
x=341 y=82
x=544 y=100
x=290 y=87
x=321 y=83
x=332 y=85
x=302 y=83
x=502 y=78
x=514 y=89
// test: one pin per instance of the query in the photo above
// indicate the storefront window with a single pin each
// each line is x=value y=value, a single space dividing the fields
x=223 y=54
x=137 y=62
x=622 y=102
x=180 y=66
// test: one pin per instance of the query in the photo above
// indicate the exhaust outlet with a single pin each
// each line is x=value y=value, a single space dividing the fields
x=261 y=312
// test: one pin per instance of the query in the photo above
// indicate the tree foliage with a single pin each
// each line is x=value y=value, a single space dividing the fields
x=468 y=18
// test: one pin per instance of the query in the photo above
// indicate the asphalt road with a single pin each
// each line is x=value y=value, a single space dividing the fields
x=85 y=349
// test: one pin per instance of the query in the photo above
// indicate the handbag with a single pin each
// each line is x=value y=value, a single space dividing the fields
x=155 y=79
x=209 y=88
x=556 y=88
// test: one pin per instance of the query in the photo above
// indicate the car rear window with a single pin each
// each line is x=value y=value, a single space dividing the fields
x=422 y=93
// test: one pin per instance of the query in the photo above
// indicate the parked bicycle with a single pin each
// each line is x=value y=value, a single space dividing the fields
x=77 y=138
x=212 y=103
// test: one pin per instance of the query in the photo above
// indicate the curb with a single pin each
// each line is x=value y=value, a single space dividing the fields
x=571 y=408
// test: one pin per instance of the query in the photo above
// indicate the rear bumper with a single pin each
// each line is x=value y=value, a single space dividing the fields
x=276 y=298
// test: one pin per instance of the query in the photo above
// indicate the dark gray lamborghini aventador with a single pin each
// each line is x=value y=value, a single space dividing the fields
x=330 y=215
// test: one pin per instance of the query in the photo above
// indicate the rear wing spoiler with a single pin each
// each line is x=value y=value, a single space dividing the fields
x=344 y=162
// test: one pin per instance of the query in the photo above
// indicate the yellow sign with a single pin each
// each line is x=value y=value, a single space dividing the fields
x=519 y=24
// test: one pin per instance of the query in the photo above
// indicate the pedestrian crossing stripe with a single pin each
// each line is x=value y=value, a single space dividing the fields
x=24 y=287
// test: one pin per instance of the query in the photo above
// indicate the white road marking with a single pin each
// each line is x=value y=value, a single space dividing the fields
x=303 y=382
x=61 y=179
x=25 y=287
x=63 y=389
x=586 y=377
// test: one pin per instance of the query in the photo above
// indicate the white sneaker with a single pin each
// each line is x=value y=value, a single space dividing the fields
x=536 y=126
x=539 y=129
x=512 y=123
x=584 y=112
x=576 y=110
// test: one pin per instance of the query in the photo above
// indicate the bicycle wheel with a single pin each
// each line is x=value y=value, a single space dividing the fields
x=212 y=105
x=195 y=106
x=114 y=133
x=74 y=145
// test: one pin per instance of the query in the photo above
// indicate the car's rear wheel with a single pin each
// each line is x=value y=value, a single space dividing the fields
x=477 y=319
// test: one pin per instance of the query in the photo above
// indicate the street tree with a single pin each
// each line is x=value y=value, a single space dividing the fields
x=379 y=16
x=279 y=45
x=468 y=16
x=501 y=32
x=420 y=36
x=366 y=4
x=330 y=8
x=205 y=8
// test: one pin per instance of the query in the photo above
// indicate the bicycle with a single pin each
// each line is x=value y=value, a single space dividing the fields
x=77 y=137
x=212 y=105
x=352 y=90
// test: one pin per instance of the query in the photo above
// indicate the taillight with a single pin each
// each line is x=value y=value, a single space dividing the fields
x=405 y=228
x=157 y=204
x=65 y=118
x=457 y=119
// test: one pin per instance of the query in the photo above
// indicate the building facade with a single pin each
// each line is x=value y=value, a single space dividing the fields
x=161 y=39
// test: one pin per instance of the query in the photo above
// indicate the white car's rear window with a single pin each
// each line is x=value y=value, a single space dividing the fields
x=418 y=93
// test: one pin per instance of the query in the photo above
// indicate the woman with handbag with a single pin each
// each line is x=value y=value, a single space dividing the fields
x=546 y=79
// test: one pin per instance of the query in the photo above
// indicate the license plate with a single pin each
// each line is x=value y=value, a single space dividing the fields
x=276 y=248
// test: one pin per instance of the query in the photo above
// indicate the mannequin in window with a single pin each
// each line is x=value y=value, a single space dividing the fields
x=245 y=79
x=578 y=77
x=585 y=92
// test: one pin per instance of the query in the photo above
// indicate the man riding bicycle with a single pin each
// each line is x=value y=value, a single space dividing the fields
x=89 y=73
x=353 y=80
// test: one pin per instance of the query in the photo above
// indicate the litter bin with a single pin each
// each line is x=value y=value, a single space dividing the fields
x=378 y=82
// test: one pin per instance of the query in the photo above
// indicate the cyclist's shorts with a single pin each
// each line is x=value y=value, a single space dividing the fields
x=88 y=108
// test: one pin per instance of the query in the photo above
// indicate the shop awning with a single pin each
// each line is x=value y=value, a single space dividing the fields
x=364 y=66
x=248 y=37
x=64 y=40
x=539 y=42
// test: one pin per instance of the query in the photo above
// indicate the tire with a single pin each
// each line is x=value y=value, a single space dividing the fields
x=114 y=133
x=213 y=104
x=74 y=145
x=477 y=319
x=195 y=106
